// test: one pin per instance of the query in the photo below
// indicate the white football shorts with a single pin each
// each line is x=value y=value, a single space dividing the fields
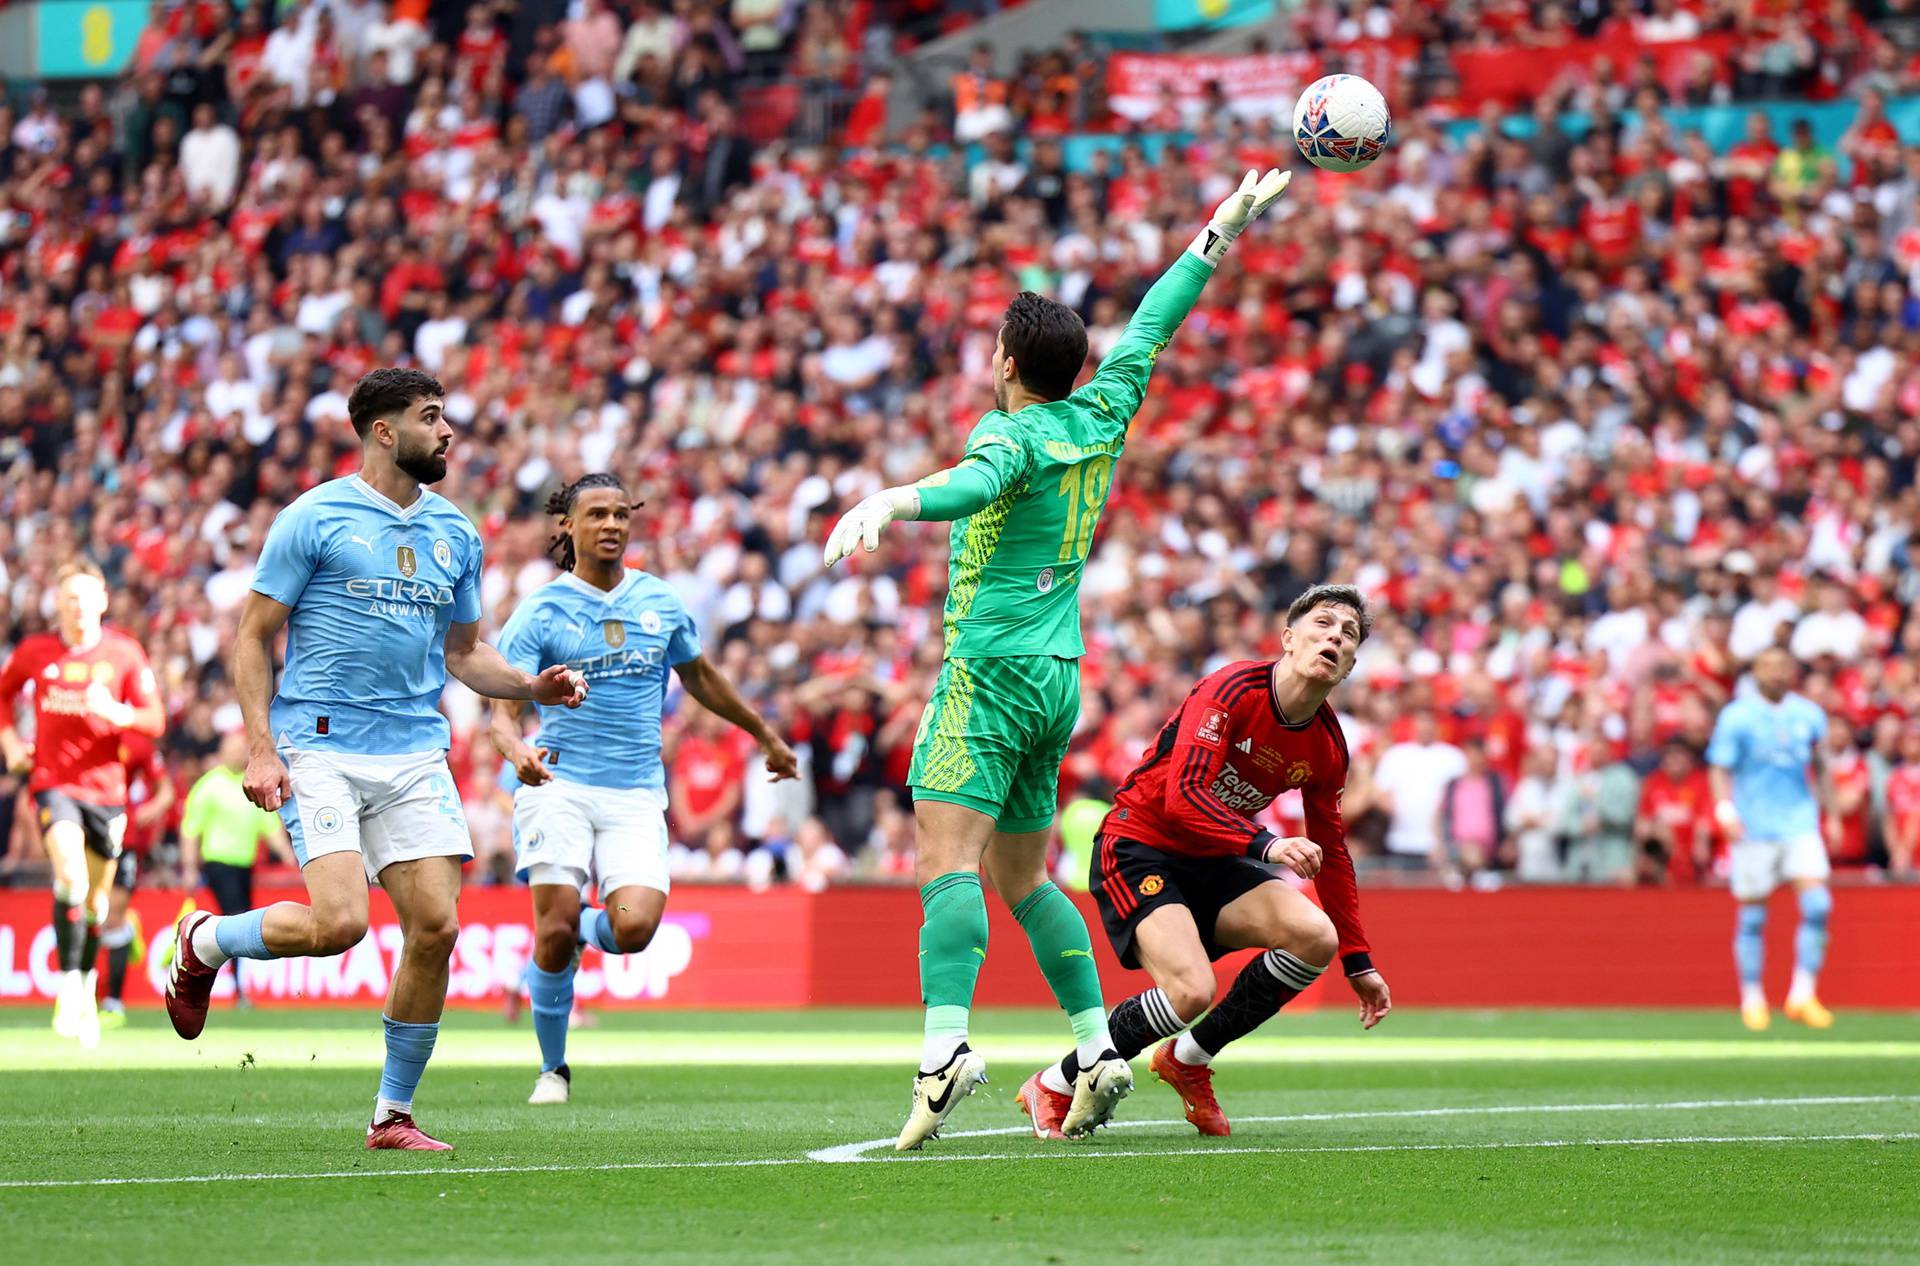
x=570 y=833
x=1760 y=866
x=386 y=808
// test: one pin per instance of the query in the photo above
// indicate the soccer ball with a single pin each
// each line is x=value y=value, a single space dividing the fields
x=1341 y=123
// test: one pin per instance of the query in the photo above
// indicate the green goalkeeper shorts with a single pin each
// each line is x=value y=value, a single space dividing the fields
x=994 y=734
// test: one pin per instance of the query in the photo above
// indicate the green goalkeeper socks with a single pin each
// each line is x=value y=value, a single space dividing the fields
x=1065 y=954
x=953 y=944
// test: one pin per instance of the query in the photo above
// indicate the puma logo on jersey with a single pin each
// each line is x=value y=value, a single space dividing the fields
x=361 y=540
x=1071 y=954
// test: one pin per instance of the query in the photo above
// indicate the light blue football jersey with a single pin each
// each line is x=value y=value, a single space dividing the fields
x=373 y=586
x=1768 y=748
x=624 y=642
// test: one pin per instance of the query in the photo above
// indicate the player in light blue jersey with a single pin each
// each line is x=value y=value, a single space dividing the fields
x=1770 y=783
x=377 y=582
x=592 y=803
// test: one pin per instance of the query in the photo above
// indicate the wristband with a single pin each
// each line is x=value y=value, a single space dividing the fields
x=1257 y=850
x=1211 y=246
x=1358 y=963
x=1726 y=815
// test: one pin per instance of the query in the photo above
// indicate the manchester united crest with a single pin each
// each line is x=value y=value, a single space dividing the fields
x=1298 y=773
x=1151 y=884
x=408 y=562
x=616 y=633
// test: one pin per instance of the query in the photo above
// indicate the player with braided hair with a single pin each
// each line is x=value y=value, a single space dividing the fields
x=560 y=545
x=591 y=804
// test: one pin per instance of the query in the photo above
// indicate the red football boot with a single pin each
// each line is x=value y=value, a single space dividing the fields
x=1194 y=1084
x=189 y=981
x=399 y=1133
x=1047 y=1108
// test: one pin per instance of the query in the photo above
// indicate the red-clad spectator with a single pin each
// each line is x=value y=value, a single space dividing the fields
x=1676 y=818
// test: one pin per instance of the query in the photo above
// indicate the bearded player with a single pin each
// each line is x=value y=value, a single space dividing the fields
x=376 y=579
x=1183 y=875
x=1024 y=503
x=592 y=800
x=92 y=686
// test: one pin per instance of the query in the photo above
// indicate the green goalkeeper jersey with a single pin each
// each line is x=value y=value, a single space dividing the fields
x=1032 y=487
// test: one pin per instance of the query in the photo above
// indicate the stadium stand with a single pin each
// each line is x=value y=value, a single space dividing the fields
x=1594 y=404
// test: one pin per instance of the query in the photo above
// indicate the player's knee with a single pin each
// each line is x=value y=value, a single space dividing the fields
x=634 y=932
x=433 y=939
x=1190 y=992
x=1816 y=903
x=1311 y=938
x=337 y=931
x=553 y=944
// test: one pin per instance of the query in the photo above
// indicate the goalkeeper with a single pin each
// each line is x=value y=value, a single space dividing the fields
x=1024 y=503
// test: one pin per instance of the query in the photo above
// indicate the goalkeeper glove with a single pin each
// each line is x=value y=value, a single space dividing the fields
x=1255 y=194
x=862 y=524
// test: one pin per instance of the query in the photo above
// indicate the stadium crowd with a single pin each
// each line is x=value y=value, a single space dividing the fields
x=1592 y=420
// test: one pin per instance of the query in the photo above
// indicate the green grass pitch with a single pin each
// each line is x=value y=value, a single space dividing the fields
x=1469 y=1137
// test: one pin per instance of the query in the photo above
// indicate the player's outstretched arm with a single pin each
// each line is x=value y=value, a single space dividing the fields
x=1120 y=384
x=992 y=464
x=485 y=671
x=712 y=690
x=529 y=762
x=261 y=619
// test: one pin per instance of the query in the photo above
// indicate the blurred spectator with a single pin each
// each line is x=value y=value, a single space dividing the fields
x=1530 y=820
x=1903 y=808
x=1473 y=815
x=210 y=159
x=1600 y=799
x=1411 y=781
x=1675 y=818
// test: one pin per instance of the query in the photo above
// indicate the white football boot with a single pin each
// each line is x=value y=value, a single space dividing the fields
x=552 y=1086
x=1097 y=1091
x=937 y=1094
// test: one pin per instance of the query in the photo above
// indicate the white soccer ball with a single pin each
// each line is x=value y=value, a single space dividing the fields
x=1341 y=123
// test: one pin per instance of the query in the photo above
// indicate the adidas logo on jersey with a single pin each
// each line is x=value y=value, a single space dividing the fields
x=1245 y=745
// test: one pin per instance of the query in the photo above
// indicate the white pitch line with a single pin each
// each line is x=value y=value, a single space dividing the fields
x=849 y=1153
x=1089 y=1154
x=852 y=1152
x=921 y=1158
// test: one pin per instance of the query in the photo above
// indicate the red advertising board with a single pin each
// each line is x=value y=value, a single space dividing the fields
x=730 y=947
x=1515 y=76
x=1253 y=83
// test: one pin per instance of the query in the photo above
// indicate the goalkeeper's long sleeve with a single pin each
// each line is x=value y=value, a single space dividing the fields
x=1120 y=384
x=959 y=491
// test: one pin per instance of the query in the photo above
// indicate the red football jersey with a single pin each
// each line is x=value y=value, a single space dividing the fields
x=1686 y=805
x=146 y=770
x=1903 y=792
x=74 y=751
x=1220 y=761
